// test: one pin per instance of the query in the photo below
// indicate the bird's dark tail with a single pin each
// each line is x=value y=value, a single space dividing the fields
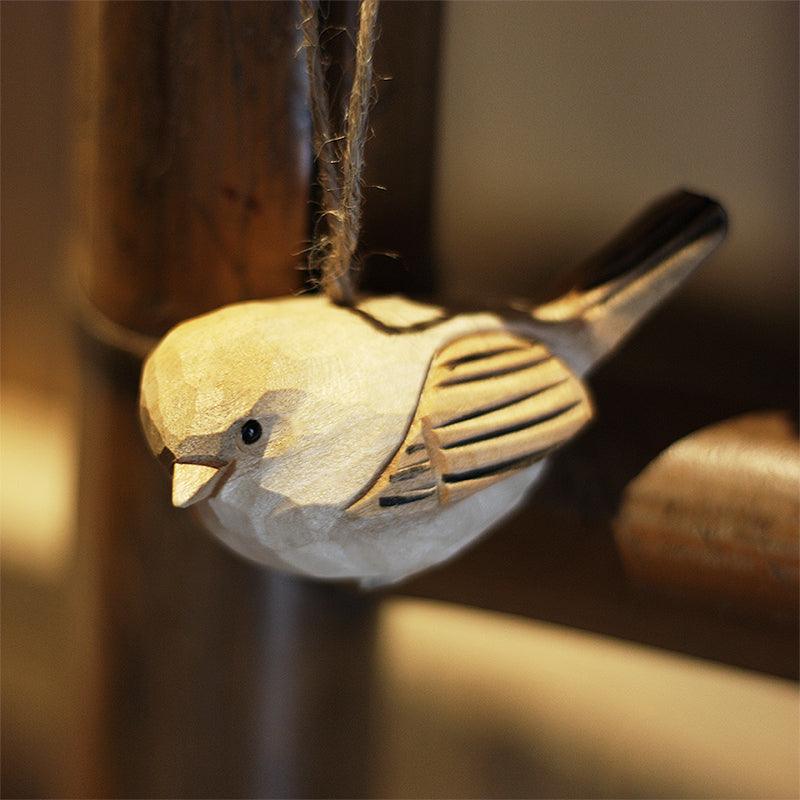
x=611 y=292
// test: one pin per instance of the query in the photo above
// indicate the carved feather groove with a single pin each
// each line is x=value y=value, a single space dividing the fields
x=409 y=473
x=492 y=404
x=520 y=426
x=496 y=469
x=402 y=499
x=443 y=406
x=493 y=372
x=457 y=362
x=505 y=404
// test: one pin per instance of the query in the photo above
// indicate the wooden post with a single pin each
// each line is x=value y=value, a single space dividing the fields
x=203 y=165
x=208 y=677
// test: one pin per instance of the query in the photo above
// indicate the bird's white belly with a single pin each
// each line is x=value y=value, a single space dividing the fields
x=323 y=543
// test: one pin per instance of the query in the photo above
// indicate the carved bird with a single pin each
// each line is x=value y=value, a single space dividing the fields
x=375 y=441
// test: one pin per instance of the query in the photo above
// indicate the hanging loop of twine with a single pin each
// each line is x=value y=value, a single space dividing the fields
x=340 y=158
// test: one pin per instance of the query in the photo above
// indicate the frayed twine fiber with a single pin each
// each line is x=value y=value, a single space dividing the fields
x=342 y=187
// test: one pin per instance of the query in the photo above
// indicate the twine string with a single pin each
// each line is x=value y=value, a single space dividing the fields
x=324 y=145
x=340 y=158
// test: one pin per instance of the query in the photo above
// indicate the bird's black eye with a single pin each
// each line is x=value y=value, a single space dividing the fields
x=251 y=431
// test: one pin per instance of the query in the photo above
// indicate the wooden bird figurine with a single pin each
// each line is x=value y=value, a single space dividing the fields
x=375 y=441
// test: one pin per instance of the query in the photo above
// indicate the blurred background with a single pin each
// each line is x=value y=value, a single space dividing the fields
x=567 y=655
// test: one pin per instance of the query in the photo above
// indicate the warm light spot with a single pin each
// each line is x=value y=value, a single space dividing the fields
x=38 y=479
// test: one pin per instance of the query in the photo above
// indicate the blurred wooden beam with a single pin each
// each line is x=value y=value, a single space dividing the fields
x=208 y=676
x=717 y=516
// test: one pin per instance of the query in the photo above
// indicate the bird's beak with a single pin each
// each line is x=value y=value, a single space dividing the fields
x=192 y=482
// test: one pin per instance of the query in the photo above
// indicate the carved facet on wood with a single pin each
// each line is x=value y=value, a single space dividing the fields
x=376 y=441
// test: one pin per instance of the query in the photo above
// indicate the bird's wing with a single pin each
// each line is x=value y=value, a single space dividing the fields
x=493 y=403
